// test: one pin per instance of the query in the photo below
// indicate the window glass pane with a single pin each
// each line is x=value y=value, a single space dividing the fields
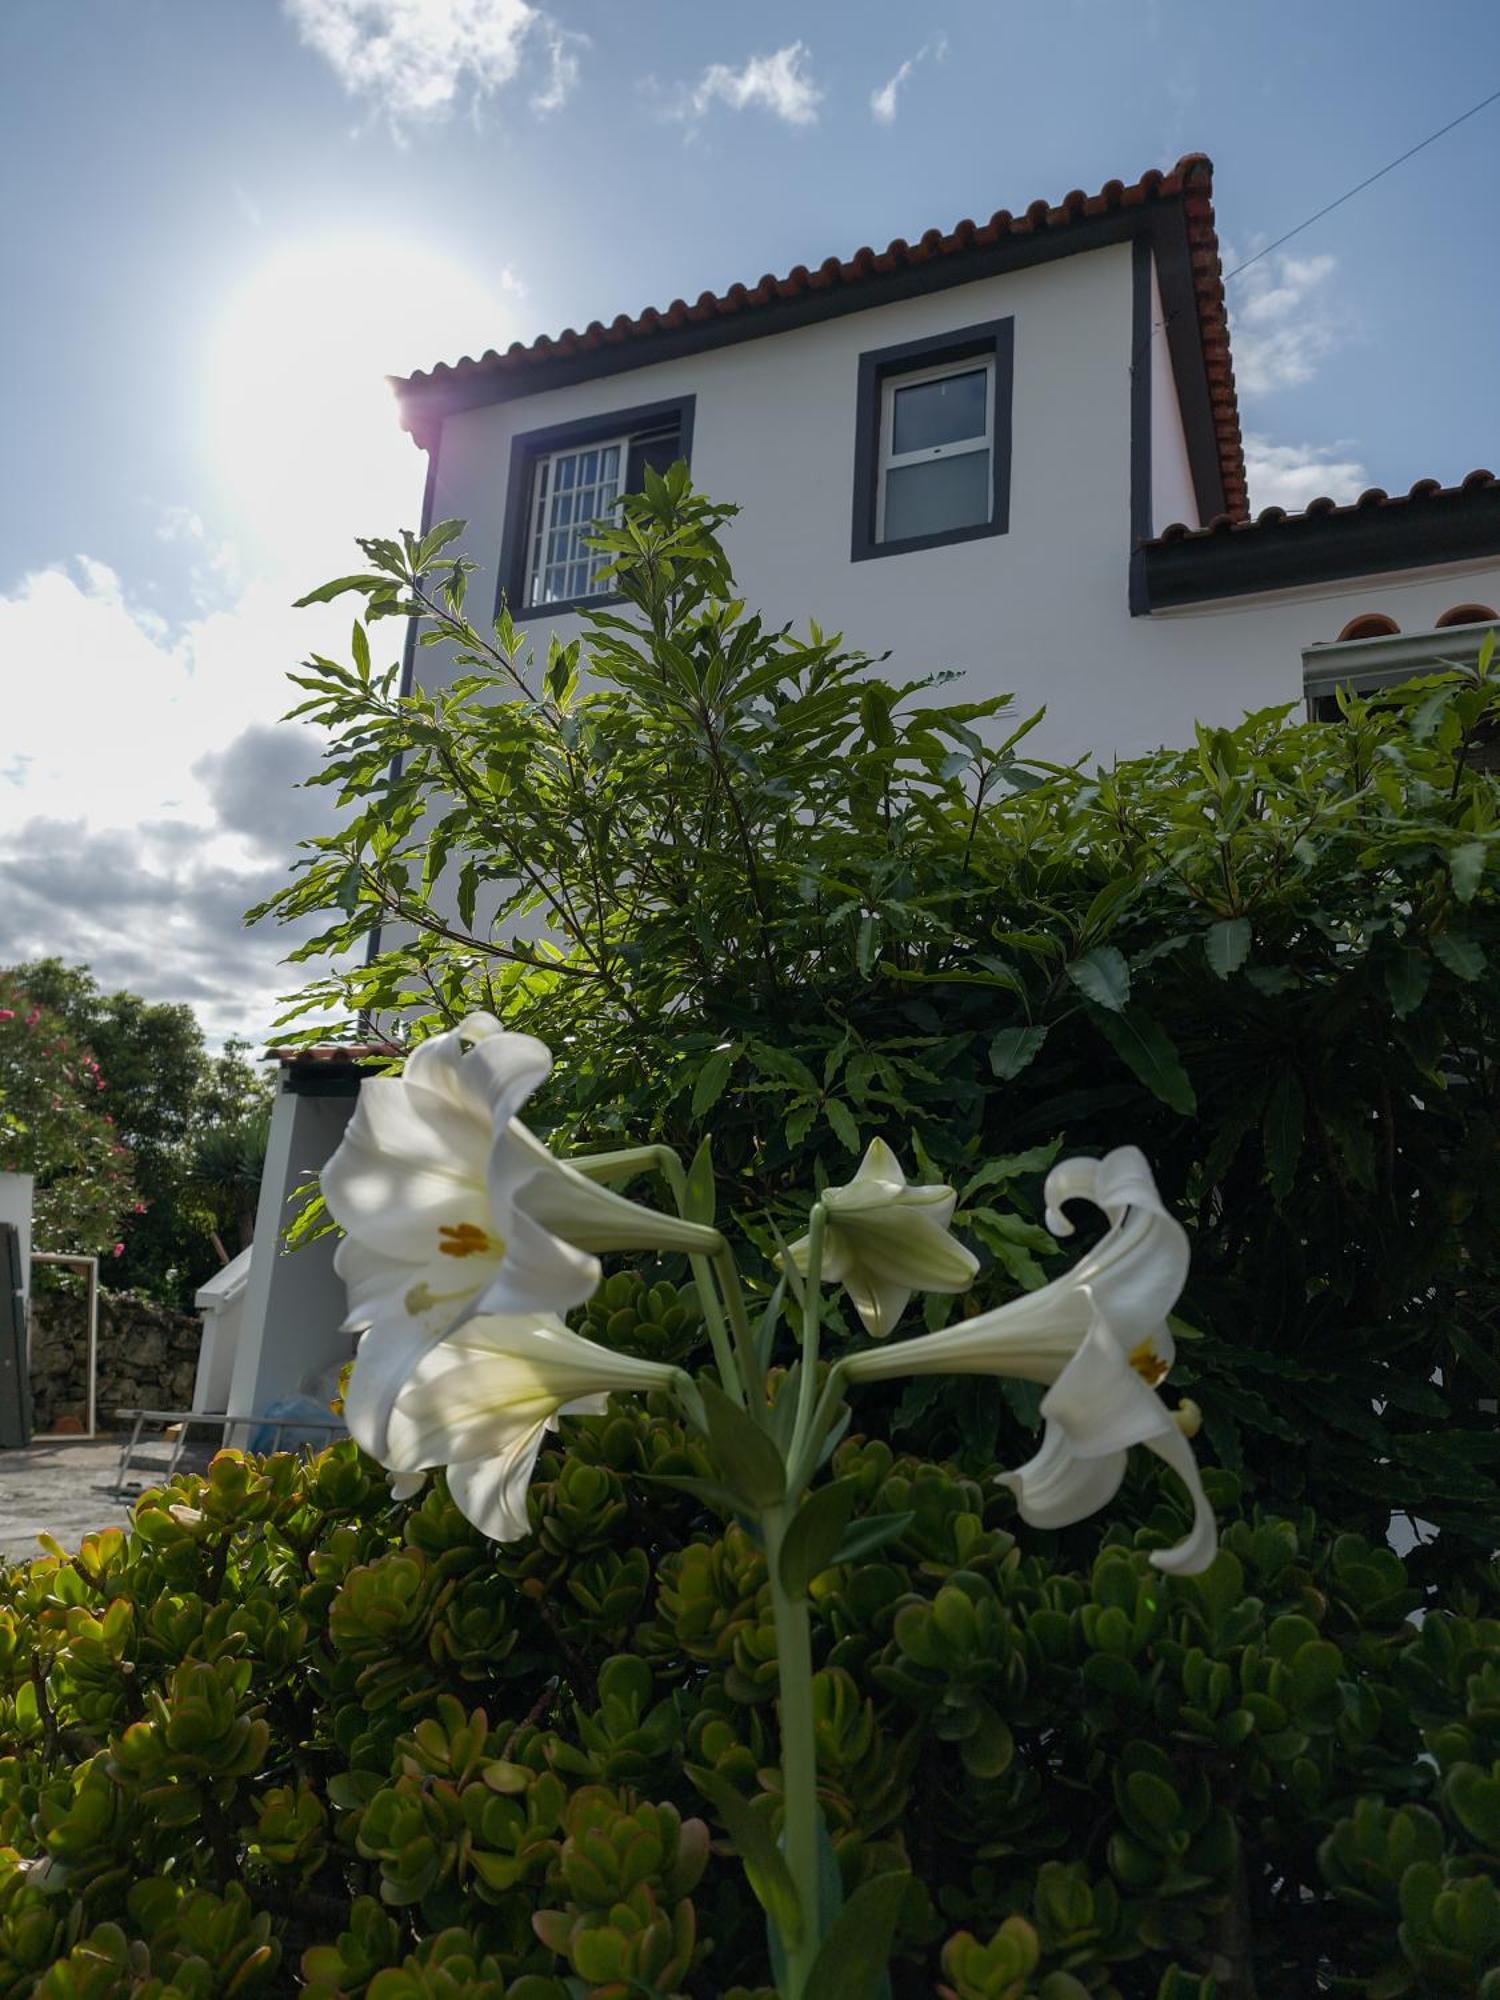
x=660 y=451
x=934 y=498
x=941 y=412
x=574 y=490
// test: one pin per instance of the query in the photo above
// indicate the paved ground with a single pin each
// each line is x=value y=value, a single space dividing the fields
x=65 y=1489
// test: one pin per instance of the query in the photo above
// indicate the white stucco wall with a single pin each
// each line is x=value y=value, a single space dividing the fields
x=1041 y=611
x=294 y=1302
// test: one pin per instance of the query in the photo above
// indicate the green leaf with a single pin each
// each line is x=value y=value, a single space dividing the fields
x=765 y=1868
x=841 y=1118
x=1226 y=945
x=1282 y=1128
x=852 y=1959
x=1015 y=1049
x=1408 y=973
x=702 y=1199
x=1463 y=956
x=711 y=1081
x=814 y=1538
x=1465 y=867
x=864 y=950
x=1102 y=976
x=872 y=1533
x=744 y=1456
x=326 y=592
x=988 y=1752
x=707 y=1490
x=1142 y=1042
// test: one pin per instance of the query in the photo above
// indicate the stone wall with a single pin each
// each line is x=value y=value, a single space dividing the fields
x=148 y=1357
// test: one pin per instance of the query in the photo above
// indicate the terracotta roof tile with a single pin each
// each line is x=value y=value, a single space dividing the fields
x=1373 y=499
x=327 y=1054
x=1190 y=183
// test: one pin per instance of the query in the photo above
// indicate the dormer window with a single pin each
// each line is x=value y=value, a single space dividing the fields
x=932 y=443
x=564 y=481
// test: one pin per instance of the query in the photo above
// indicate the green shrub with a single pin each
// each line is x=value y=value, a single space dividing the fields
x=779 y=894
x=286 y=1730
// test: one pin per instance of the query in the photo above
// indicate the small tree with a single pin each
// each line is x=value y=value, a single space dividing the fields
x=170 y=1098
x=52 y=1126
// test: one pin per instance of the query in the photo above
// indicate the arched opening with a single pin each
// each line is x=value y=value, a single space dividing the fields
x=1369 y=625
x=1469 y=614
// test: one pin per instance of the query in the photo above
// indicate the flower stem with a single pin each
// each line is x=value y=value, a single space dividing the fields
x=812 y=1308
x=670 y=1167
x=617 y=1166
x=799 y=1753
x=739 y=1319
x=803 y=1457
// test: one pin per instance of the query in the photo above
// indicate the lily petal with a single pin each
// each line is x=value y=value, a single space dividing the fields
x=878 y=1302
x=1101 y=1403
x=1192 y=1555
x=884 y=1240
x=491 y=1492
x=472 y=1393
x=1057 y=1487
x=387 y=1356
x=538 y=1269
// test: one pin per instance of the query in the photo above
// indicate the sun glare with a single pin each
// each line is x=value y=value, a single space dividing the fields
x=300 y=424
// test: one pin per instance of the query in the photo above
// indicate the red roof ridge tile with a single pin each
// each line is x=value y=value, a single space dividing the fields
x=1190 y=181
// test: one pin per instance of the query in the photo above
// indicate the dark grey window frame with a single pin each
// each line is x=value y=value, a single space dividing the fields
x=526 y=447
x=990 y=340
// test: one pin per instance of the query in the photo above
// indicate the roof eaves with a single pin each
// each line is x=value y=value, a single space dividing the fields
x=425 y=396
x=1429 y=525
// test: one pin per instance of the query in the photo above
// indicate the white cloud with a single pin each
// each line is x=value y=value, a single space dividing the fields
x=418 y=58
x=883 y=100
x=1289 y=475
x=778 y=83
x=147 y=790
x=119 y=845
x=564 y=59
x=1283 y=323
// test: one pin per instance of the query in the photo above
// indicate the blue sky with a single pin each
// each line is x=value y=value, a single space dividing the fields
x=227 y=220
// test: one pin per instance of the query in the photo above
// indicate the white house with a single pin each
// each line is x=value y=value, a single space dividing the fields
x=1012 y=449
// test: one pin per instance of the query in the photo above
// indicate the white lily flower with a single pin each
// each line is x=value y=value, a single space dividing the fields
x=451 y=1207
x=884 y=1240
x=481 y=1402
x=1098 y=1339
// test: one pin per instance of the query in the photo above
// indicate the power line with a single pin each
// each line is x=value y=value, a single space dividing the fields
x=1410 y=152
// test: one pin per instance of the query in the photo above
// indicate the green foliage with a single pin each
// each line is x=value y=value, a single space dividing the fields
x=282 y=1722
x=195 y=1126
x=52 y=1127
x=734 y=877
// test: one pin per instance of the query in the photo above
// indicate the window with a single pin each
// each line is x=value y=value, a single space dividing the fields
x=571 y=491
x=564 y=481
x=932 y=448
